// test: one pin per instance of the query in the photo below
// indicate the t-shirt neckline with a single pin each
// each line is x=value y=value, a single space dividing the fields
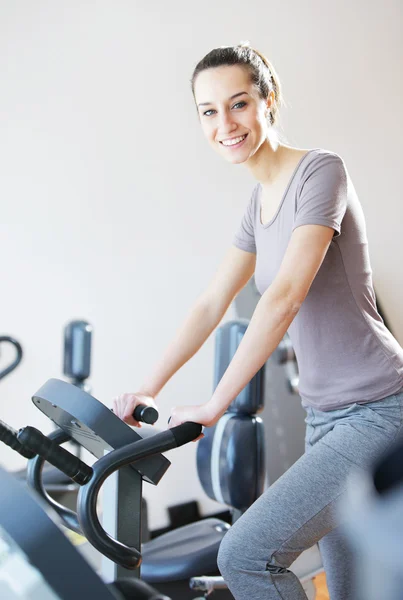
x=274 y=217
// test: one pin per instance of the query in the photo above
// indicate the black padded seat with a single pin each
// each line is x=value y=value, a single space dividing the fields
x=183 y=552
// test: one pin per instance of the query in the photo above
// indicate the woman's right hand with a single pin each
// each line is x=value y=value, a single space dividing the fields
x=124 y=405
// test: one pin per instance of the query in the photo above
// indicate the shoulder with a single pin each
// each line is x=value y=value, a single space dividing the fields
x=319 y=157
x=322 y=165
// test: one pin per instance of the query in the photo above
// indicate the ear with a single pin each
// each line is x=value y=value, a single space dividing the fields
x=270 y=100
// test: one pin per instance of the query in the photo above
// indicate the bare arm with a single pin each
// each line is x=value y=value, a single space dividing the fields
x=273 y=315
x=232 y=275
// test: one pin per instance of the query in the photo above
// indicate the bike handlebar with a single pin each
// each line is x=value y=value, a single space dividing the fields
x=92 y=478
x=126 y=556
x=145 y=414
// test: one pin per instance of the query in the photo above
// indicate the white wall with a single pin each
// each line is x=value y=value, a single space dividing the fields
x=114 y=208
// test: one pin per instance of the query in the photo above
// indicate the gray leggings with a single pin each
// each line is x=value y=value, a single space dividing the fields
x=300 y=508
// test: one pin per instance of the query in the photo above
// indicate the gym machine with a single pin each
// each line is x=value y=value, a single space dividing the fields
x=77 y=343
x=134 y=459
x=235 y=479
x=6 y=339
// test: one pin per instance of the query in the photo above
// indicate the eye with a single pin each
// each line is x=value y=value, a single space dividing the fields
x=239 y=104
x=209 y=112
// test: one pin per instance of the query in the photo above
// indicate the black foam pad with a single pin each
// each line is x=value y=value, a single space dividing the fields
x=231 y=460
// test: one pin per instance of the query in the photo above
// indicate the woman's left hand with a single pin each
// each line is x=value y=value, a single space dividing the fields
x=196 y=414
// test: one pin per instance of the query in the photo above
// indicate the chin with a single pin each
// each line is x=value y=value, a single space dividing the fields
x=239 y=161
x=236 y=160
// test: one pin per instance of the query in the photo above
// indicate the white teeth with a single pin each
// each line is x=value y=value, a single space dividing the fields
x=233 y=141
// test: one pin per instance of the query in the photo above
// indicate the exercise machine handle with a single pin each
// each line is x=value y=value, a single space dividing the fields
x=126 y=556
x=34 y=472
x=34 y=480
x=8 y=436
x=17 y=360
x=33 y=440
x=145 y=414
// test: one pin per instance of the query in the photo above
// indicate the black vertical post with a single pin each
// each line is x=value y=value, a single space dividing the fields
x=121 y=516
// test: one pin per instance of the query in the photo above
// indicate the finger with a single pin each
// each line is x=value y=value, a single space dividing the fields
x=117 y=407
x=129 y=419
x=125 y=405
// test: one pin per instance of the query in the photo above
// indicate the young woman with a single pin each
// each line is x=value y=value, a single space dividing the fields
x=303 y=236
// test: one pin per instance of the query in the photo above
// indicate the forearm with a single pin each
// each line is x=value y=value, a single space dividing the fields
x=272 y=317
x=200 y=323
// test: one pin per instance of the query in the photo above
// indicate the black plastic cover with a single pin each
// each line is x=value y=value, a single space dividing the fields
x=231 y=460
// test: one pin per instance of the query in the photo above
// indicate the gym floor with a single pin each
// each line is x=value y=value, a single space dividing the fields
x=321 y=587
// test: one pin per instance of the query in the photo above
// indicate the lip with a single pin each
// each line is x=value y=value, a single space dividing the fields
x=233 y=138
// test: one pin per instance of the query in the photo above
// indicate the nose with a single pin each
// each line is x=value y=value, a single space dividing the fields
x=226 y=123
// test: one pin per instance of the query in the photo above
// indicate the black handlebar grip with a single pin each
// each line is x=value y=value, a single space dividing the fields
x=60 y=458
x=187 y=432
x=146 y=414
x=8 y=435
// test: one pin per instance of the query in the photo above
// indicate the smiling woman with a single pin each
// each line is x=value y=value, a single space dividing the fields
x=239 y=119
x=303 y=236
x=261 y=72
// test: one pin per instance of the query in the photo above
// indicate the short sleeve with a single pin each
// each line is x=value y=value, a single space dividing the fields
x=322 y=199
x=245 y=236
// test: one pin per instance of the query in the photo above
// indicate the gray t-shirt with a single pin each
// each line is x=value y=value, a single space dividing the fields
x=345 y=353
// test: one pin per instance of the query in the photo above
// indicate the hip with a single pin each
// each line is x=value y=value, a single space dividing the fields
x=358 y=431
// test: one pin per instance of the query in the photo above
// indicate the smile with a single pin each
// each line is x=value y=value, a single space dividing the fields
x=234 y=141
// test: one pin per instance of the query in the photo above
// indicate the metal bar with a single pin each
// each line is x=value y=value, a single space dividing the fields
x=121 y=517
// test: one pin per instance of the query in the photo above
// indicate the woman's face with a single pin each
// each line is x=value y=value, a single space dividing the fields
x=231 y=111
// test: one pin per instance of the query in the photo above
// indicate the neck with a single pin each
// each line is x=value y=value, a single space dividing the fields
x=268 y=162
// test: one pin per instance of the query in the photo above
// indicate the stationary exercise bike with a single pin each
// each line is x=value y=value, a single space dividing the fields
x=144 y=454
x=235 y=479
x=227 y=472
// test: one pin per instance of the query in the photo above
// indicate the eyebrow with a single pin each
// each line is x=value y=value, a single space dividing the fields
x=231 y=98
